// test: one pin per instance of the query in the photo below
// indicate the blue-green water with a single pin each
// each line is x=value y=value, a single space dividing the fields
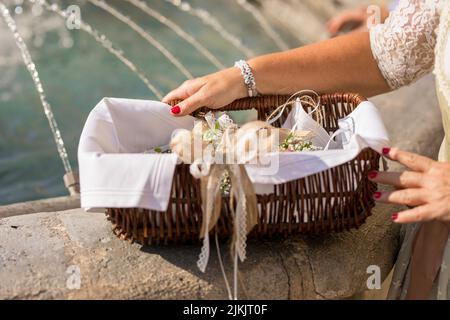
x=77 y=72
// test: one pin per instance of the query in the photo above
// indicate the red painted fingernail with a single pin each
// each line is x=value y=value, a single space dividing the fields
x=176 y=109
x=377 y=195
x=395 y=217
x=372 y=175
x=386 y=151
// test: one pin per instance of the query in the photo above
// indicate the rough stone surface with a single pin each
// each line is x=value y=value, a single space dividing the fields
x=38 y=250
x=46 y=205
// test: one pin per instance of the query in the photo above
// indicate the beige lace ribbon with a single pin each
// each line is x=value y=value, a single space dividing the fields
x=191 y=148
x=239 y=146
x=242 y=203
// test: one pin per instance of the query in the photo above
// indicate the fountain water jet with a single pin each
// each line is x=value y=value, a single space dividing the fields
x=178 y=30
x=145 y=35
x=106 y=43
x=31 y=67
x=208 y=19
x=265 y=25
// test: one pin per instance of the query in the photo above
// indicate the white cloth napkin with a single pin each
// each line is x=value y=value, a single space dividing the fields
x=363 y=128
x=115 y=173
x=301 y=120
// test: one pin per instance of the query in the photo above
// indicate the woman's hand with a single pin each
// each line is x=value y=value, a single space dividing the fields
x=355 y=20
x=214 y=91
x=426 y=187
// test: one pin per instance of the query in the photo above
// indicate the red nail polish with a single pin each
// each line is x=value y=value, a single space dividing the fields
x=176 y=109
x=386 y=151
x=372 y=175
x=377 y=195
x=395 y=217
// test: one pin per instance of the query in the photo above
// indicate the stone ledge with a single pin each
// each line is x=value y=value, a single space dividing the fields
x=45 y=205
x=37 y=250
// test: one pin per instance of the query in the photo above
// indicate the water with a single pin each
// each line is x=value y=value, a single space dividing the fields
x=31 y=67
x=145 y=35
x=211 y=21
x=77 y=72
x=265 y=25
x=178 y=30
x=108 y=45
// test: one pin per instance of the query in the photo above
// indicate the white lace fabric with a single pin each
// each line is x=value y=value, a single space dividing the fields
x=404 y=45
x=442 y=71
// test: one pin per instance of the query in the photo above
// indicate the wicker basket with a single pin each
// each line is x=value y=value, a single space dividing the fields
x=328 y=206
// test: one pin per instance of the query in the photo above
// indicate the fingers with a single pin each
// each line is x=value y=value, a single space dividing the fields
x=426 y=188
x=179 y=93
x=189 y=105
x=411 y=160
x=407 y=179
x=336 y=24
x=191 y=94
x=423 y=213
x=408 y=197
x=184 y=91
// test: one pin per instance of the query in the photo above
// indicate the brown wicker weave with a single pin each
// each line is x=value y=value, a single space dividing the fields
x=289 y=210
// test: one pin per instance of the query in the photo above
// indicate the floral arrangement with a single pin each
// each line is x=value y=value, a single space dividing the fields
x=217 y=127
x=213 y=134
x=292 y=143
x=296 y=143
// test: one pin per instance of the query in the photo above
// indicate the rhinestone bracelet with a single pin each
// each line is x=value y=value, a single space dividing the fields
x=249 y=78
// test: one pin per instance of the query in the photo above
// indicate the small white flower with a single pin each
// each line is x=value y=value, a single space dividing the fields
x=226 y=122
x=210 y=120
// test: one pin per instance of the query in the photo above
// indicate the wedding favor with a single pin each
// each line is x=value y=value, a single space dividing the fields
x=151 y=196
x=139 y=163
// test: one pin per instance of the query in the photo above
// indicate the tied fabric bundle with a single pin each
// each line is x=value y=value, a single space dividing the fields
x=214 y=147
x=116 y=171
x=217 y=146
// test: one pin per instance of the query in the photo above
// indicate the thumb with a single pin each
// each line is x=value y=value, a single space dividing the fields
x=189 y=105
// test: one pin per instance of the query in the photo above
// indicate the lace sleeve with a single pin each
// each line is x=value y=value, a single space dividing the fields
x=404 y=45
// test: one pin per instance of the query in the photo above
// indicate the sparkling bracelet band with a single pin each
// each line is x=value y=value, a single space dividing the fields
x=249 y=78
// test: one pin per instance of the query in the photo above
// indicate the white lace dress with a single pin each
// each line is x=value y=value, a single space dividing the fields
x=414 y=41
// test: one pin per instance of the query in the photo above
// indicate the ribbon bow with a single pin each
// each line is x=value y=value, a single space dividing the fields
x=216 y=146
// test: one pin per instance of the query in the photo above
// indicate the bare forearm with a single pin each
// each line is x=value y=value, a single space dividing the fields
x=343 y=64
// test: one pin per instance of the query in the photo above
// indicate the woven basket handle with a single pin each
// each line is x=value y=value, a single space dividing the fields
x=264 y=105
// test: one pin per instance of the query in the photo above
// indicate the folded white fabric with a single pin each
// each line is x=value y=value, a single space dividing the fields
x=115 y=172
x=363 y=128
x=299 y=119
